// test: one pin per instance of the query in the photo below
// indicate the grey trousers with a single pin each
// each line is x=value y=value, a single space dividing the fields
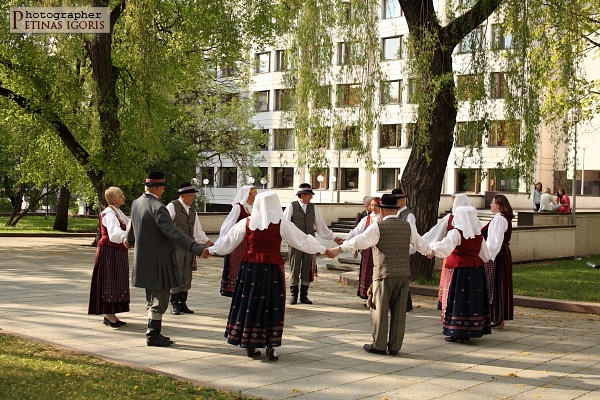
x=389 y=297
x=185 y=260
x=300 y=265
x=157 y=302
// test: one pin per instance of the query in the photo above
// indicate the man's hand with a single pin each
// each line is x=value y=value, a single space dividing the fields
x=209 y=243
x=333 y=252
x=204 y=253
x=338 y=241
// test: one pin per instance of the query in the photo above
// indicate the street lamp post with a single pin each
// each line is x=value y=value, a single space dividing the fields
x=333 y=180
x=263 y=180
x=399 y=179
x=205 y=182
x=583 y=146
x=251 y=180
x=320 y=178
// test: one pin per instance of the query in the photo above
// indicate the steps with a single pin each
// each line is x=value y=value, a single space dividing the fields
x=343 y=225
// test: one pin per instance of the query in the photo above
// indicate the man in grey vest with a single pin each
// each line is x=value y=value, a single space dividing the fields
x=308 y=219
x=405 y=214
x=390 y=239
x=153 y=233
x=185 y=217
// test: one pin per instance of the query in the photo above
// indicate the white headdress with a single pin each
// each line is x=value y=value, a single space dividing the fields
x=461 y=199
x=267 y=210
x=242 y=195
x=465 y=219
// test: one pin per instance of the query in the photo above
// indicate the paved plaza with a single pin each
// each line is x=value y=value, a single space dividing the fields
x=542 y=354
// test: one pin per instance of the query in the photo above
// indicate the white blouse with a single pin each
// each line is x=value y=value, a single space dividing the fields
x=113 y=226
x=453 y=238
x=497 y=226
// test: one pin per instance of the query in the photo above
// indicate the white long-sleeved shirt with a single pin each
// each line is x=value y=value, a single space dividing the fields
x=113 y=226
x=453 y=238
x=199 y=235
x=370 y=237
x=410 y=218
x=439 y=231
x=546 y=202
x=496 y=228
x=320 y=226
x=289 y=233
x=232 y=218
x=362 y=225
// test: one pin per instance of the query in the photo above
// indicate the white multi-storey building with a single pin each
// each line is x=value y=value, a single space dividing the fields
x=391 y=140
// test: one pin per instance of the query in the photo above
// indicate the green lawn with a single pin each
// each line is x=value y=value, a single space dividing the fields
x=39 y=223
x=31 y=370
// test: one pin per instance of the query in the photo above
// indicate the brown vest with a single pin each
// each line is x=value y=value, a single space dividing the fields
x=184 y=221
x=304 y=222
x=391 y=254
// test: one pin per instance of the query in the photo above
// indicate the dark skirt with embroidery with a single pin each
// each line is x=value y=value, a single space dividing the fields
x=257 y=307
x=467 y=310
x=109 y=292
x=365 y=273
x=231 y=269
x=502 y=298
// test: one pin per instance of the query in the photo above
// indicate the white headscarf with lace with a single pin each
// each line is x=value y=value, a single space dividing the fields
x=466 y=220
x=460 y=200
x=267 y=210
x=242 y=195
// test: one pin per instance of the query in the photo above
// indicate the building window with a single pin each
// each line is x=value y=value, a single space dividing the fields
x=500 y=40
x=498 y=85
x=411 y=130
x=321 y=137
x=314 y=182
x=283 y=139
x=390 y=135
x=412 y=91
x=348 y=95
x=469 y=87
x=388 y=178
x=283 y=99
x=346 y=12
x=227 y=72
x=503 y=180
x=344 y=53
x=392 y=48
x=502 y=133
x=473 y=41
x=283 y=177
x=391 y=92
x=263 y=62
x=391 y=9
x=322 y=97
x=348 y=178
x=228 y=176
x=350 y=138
x=468 y=180
x=258 y=173
x=468 y=133
x=281 y=62
x=262 y=101
x=263 y=143
x=208 y=173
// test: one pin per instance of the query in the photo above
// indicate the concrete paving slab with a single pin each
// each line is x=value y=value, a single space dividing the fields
x=542 y=354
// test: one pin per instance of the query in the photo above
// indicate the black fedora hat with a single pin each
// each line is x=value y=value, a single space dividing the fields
x=388 y=201
x=305 y=188
x=186 y=187
x=398 y=193
x=154 y=178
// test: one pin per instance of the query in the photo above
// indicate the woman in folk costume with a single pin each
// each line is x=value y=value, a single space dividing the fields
x=256 y=317
x=365 y=274
x=438 y=232
x=498 y=269
x=109 y=292
x=242 y=208
x=465 y=306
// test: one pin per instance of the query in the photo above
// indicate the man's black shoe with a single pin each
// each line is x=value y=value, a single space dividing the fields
x=158 y=341
x=370 y=349
x=184 y=308
x=175 y=309
x=392 y=352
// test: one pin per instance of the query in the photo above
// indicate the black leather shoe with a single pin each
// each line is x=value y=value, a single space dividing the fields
x=111 y=324
x=272 y=354
x=392 y=352
x=122 y=323
x=164 y=337
x=184 y=308
x=370 y=349
x=158 y=341
x=294 y=299
x=175 y=309
x=305 y=300
x=252 y=352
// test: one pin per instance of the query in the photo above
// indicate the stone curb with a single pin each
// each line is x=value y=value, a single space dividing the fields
x=351 y=279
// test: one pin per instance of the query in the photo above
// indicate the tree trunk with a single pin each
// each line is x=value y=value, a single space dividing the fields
x=61 y=221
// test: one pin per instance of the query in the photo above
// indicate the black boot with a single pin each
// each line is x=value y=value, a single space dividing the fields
x=153 y=336
x=409 y=306
x=294 y=292
x=182 y=303
x=304 y=295
x=175 y=310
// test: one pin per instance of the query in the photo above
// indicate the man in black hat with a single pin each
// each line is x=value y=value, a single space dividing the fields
x=186 y=219
x=405 y=214
x=390 y=240
x=308 y=219
x=152 y=233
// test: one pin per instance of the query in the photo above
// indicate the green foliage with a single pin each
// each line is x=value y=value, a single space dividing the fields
x=38 y=223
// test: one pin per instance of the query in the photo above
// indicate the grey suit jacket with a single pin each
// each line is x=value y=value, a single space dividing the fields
x=152 y=232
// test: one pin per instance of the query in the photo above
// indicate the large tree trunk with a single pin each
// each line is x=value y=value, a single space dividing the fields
x=61 y=221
